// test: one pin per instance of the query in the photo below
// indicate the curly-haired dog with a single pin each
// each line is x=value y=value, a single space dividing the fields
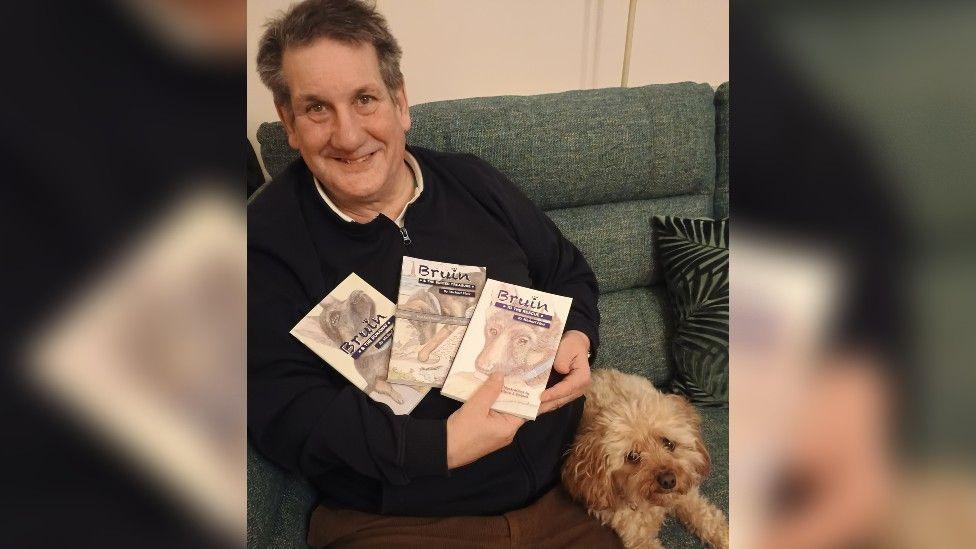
x=639 y=455
x=342 y=321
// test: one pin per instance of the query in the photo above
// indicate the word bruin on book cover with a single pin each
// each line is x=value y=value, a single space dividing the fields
x=435 y=303
x=515 y=330
x=352 y=330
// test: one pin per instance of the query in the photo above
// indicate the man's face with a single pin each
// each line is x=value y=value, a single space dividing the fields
x=356 y=148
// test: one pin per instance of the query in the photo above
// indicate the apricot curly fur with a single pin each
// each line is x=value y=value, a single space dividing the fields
x=638 y=456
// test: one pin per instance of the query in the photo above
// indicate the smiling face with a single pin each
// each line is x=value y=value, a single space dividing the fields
x=350 y=130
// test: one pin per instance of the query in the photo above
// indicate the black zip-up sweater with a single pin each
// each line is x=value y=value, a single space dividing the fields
x=306 y=417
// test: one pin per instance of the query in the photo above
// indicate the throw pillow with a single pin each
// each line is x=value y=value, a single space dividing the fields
x=694 y=254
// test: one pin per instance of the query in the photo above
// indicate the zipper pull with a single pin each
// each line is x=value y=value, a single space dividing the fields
x=406 y=236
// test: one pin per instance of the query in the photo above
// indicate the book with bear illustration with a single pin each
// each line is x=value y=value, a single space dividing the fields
x=352 y=330
x=434 y=305
x=515 y=330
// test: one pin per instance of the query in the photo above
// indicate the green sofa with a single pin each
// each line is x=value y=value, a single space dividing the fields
x=601 y=163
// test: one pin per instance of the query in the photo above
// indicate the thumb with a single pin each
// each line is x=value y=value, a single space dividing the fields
x=488 y=392
x=564 y=358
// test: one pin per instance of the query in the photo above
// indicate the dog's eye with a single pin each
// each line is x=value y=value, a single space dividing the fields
x=633 y=456
x=668 y=443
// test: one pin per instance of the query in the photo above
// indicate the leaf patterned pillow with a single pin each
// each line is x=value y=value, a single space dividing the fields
x=694 y=254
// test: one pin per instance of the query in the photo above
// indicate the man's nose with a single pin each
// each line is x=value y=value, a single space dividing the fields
x=348 y=133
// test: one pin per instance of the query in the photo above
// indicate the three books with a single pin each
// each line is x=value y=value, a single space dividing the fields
x=451 y=328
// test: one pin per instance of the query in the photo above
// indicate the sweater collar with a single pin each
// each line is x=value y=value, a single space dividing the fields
x=309 y=191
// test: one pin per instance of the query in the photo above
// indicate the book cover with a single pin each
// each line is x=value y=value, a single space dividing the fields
x=435 y=304
x=515 y=330
x=352 y=330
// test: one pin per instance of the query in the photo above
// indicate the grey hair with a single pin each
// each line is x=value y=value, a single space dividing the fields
x=349 y=21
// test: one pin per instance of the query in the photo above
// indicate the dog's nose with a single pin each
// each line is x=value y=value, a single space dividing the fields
x=666 y=480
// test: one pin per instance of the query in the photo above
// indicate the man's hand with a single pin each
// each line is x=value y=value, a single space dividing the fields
x=572 y=358
x=475 y=430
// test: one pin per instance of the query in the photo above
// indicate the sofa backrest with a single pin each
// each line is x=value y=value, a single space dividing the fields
x=601 y=163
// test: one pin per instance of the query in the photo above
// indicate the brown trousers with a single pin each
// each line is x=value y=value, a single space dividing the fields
x=552 y=521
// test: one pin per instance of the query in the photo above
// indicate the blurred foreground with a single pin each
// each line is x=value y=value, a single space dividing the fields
x=121 y=130
x=853 y=141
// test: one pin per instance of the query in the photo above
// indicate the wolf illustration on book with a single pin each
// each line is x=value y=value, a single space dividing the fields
x=517 y=346
x=433 y=301
x=346 y=322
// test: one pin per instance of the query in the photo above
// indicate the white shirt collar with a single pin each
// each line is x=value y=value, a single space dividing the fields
x=418 y=183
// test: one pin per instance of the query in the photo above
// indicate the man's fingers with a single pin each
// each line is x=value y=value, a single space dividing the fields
x=564 y=359
x=572 y=347
x=513 y=421
x=557 y=403
x=488 y=392
x=575 y=382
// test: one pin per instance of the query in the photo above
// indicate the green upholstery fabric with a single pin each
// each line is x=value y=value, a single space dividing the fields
x=601 y=242
x=584 y=147
x=275 y=151
x=278 y=505
x=722 y=129
x=634 y=333
x=601 y=163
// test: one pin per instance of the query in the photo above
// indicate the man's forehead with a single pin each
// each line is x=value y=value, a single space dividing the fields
x=331 y=66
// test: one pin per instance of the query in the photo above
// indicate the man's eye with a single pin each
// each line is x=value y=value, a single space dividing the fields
x=314 y=108
x=365 y=99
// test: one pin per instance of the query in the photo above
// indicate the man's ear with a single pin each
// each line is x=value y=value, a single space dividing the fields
x=288 y=119
x=403 y=108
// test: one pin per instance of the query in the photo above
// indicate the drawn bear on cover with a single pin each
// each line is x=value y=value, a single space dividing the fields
x=431 y=300
x=341 y=321
x=518 y=348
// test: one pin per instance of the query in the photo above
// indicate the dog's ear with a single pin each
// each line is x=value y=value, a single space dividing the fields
x=327 y=328
x=687 y=409
x=690 y=414
x=706 y=464
x=361 y=305
x=586 y=472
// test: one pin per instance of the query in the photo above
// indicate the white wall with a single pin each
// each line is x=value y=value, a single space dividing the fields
x=471 y=48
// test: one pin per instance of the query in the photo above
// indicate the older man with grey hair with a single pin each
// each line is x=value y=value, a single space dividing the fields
x=358 y=200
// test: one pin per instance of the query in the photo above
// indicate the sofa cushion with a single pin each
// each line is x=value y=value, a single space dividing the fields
x=603 y=231
x=278 y=505
x=633 y=333
x=587 y=146
x=694 y=254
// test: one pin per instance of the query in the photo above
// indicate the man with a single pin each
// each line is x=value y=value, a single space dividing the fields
x=358 y=201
